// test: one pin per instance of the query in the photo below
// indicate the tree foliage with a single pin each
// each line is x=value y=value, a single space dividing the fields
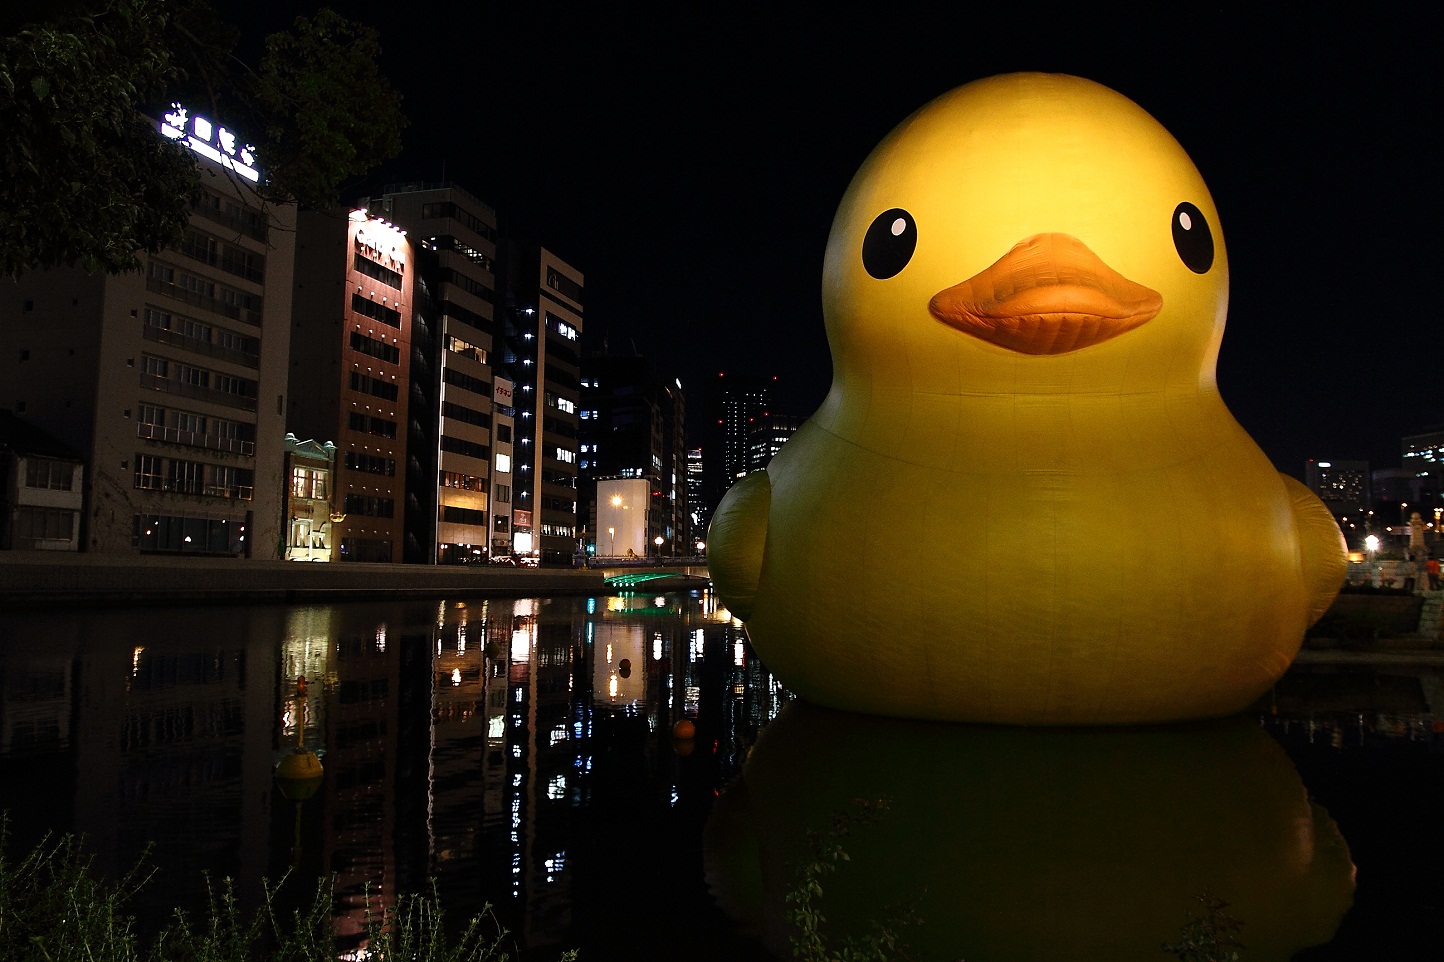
x=88 y=180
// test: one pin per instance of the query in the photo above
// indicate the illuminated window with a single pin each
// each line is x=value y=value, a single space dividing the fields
x=503 y=463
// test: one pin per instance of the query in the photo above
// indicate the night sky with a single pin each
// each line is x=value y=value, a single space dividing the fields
x=690 y=167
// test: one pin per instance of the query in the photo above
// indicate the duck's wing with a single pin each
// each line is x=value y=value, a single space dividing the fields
x=735 y=542
x=1323 y=554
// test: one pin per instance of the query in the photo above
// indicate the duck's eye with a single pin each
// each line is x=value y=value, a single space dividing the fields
x=889 y=243
x=1192 y=238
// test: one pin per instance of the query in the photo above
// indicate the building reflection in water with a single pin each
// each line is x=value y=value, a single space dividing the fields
x=518 y=751
x=473 y=742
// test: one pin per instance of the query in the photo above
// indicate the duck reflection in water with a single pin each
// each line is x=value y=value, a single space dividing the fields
x=1032 y=844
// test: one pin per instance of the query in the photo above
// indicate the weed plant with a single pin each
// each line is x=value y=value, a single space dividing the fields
x=810 y=942
x=54 y=908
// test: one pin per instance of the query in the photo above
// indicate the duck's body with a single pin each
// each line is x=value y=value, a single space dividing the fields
x=1042 y=515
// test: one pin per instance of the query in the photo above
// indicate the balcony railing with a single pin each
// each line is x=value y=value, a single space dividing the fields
x=230 y=265
x=243 y=314
x=162 y=336
x=194 y=439
x=236 y=492
x=200 y=393
x=228 y=219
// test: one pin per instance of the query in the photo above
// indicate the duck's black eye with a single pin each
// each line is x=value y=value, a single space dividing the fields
x=889 y=243
x=1192 y=238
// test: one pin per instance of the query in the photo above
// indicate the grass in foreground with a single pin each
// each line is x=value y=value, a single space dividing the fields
x=54 y=908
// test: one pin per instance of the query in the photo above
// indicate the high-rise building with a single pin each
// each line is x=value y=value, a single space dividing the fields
x=350 y=374
x=541 y=306
x=734 y=405
x=768 y=434
x=633 y=425
x=1425 y=449
x=1343 y=486
x=169 y=382
x=1422 y=455
x=697 y=522
x=458 y=496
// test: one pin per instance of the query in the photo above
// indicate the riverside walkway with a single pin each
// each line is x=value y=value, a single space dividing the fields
x=47 y=578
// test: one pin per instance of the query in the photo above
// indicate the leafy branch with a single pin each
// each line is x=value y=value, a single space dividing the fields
x=90 y=183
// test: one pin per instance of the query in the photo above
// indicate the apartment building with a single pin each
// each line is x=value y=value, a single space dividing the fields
x=169 y=382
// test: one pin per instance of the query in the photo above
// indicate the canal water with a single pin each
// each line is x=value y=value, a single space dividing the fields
x=521 y=753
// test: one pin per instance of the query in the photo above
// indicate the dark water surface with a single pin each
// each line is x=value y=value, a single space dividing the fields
x=520 y=752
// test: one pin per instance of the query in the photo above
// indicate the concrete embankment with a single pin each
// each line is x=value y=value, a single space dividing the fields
x=41 y=578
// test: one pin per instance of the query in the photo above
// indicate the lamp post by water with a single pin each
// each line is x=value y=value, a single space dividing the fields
x=658 y=542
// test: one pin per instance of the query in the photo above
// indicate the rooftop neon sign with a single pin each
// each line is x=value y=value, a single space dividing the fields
x=211 y=141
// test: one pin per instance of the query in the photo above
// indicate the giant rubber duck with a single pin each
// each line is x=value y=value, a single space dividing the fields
x=1023 y=500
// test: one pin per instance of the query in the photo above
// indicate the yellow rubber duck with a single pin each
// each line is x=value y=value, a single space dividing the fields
x=1023 y=500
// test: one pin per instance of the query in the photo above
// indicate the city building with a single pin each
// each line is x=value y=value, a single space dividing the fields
x=169 y=382
x=633 y=425
x=458 y=501
x=626 y=518
x=1343 y=486
x=1422 y=455
x=734 y=404
x=540 y=299
x=695 y=498
x=1424 y=450
x=350 y=371
x=41 y=490
x=768 y=434
x=307 y=523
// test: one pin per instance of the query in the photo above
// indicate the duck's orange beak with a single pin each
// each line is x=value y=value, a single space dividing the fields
x=1048 y=295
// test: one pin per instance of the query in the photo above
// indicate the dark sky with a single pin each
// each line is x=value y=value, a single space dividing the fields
x=690 y=164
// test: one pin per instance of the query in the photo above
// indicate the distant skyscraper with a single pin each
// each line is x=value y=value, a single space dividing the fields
x=735 y=404
x=1426 y=449
x=695 y=499
x=1343 y=486
x=768 y=434
x=1423 y=457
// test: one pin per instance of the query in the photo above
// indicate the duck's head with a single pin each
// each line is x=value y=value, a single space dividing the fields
x=1028 y=233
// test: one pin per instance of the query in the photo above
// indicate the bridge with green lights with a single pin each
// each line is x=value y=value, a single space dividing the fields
x=654 y=577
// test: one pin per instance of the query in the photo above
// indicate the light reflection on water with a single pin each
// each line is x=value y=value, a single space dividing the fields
x=519 y=751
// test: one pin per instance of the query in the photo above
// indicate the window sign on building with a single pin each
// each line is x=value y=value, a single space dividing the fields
x=211 y=141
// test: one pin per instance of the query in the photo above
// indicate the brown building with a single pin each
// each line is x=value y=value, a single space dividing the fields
x=349 y=379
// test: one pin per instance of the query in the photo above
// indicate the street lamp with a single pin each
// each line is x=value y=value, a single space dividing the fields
x=658 y=542
x=616 y=506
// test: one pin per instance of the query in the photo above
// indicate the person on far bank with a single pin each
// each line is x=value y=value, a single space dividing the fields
x=1432 y=567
